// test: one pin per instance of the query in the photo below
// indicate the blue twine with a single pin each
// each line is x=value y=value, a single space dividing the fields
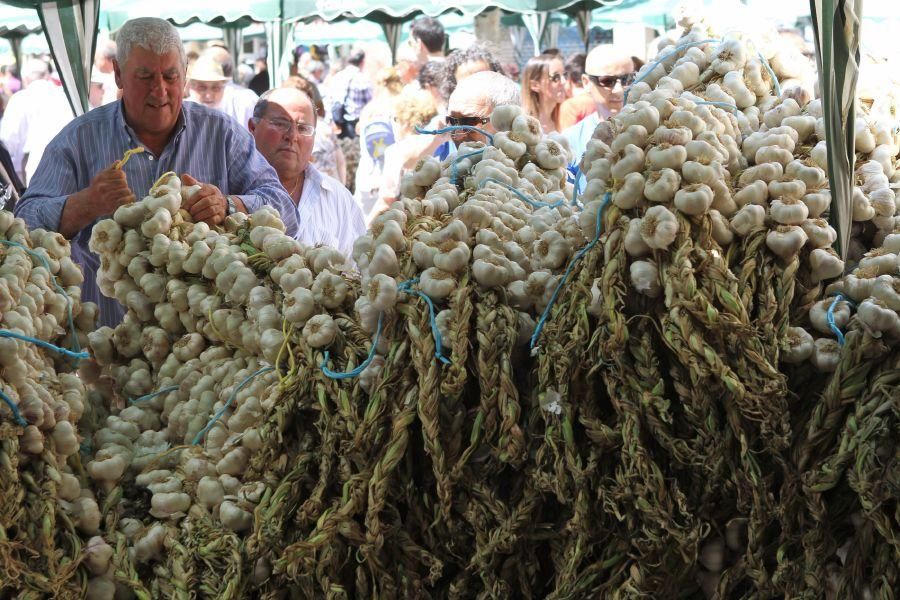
x=199 y=437
x=165 y=390
x=75 y=345
x=406 y=286
x=578 y=256
x=771 y=73
x=17 y=416
x=456 y=128
x=829 y=317
x=47 y=345
x=362 y=366
x=454 y=169
x=719 y=105
x=662 y=59
x=521 y=195
x=575 y=201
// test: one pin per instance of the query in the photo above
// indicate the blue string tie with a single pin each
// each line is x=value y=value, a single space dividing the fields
x=199 y=437
x=80 y=355
x=771 y=74
x=17 y=416
x=578 y=256
x=165 y=390
x=362 y=366
x=521 y=195
x=829 y=317
x=456 y=128
x=454 y=166
x=406 y=287
x=75 y=345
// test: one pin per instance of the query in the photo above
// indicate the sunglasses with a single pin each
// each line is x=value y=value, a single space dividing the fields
x=556 y=77
x=609 y=81
x=467 y=121
x=284 y=126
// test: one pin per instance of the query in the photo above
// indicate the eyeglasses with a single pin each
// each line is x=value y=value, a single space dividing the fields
x=467 y=121
x=284 y=126
x=556 y=77
x=609 y=81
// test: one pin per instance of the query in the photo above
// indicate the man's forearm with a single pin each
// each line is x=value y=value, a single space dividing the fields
x=76 y=215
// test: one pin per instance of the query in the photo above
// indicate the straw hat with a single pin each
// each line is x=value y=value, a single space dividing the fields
x=206 y=69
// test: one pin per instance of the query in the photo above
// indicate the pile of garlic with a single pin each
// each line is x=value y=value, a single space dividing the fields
x=39 y=289
x=704 y=134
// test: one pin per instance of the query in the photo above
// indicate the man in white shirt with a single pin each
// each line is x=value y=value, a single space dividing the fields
x=607 y=72
x=103 y=63
x=283 y=125
x=238 y=100
x=33 y=117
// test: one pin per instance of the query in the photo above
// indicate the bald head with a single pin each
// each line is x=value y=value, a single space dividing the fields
x=606 y=72
x=606 y=60
x=223 y=57
x=283 y=127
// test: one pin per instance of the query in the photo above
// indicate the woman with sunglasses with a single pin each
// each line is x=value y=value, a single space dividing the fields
x=544 y=89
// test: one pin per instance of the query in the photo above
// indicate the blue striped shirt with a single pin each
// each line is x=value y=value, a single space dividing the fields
x=209 y=145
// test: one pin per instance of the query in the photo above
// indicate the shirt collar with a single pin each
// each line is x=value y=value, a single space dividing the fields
x=180 y=123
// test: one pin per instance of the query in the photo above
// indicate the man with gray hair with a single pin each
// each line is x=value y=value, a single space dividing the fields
x=78 y=182
x=472 y=102
x=32 y=117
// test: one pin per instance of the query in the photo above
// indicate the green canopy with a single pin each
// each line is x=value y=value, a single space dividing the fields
x=15 y=24
x=71 y=30
x=836 y=27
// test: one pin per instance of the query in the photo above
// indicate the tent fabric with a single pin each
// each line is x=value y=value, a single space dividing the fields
x=71 y=29
x=836 y=25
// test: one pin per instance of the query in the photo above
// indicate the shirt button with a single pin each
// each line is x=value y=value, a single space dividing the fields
x=150 y=156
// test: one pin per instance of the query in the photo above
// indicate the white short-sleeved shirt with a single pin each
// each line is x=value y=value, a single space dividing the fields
x=327 y=213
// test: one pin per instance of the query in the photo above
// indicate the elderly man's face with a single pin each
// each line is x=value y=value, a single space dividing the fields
x=473 y=115
x=152 y=89
x=607 y=82
x=279 y=139
x=208 y=93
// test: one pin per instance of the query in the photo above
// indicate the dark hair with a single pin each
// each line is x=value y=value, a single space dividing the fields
x=430 y=32
x=575 y=67
x=431 y=73
x=356 y=58
x=474 y=53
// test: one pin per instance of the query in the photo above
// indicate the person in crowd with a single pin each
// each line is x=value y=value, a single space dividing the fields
x=463 y=63
x=32 y=117
x=580 y=103
x=426 y=35
x=315 y=71
x=283 y=126
x=351 y=91
x=412 y=108
x=103 y=62
x=95 y=91
x=9 y=80
x=11 y=187
x=544 y=89
x=237 y=100
x=430 y=81
x=407 y=66
x=376 y=134
x=472 y=103
x=607 y=72
x=206 y=83
x=327 y=155
x=260 y=83
x=78 y=181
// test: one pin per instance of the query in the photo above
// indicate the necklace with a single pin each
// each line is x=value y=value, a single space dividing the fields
x=296 y=189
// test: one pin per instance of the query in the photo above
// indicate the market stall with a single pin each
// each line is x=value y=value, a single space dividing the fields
x=677 y=374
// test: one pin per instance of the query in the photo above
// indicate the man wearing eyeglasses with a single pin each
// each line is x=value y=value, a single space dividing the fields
x=283 y=126
x=78 y=181
x=606 y=75
x=471 y=105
